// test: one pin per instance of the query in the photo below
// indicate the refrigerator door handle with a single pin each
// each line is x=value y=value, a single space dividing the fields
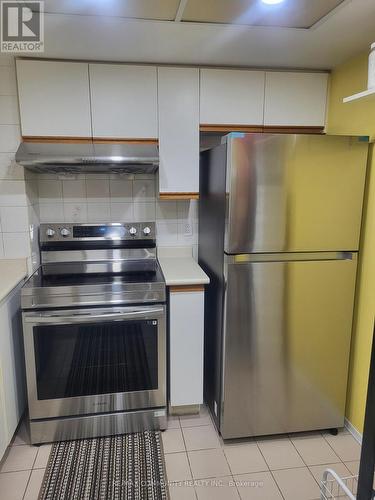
x=289 y=257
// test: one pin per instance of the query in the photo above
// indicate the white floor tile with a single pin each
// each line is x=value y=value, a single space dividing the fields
x=315 y=450
x=13 y=485
x=280 y=453
x=208 y=463
x=42 y=456
x=173 y=441
x=297 y=484
x=318 y=470
x=173 y=422
x=245 y=458
x=222 y=488
x=353 y=466
x=35 y=483
x=345 y=446
x=182 y=492
x=202 y=418
x=258 y=486
x=177 y=465
x=201 y=438
x=20 y=458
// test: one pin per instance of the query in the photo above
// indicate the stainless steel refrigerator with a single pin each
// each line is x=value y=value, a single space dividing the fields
x=279 y=230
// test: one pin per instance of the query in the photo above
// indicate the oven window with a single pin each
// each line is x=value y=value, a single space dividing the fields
x=101 y=358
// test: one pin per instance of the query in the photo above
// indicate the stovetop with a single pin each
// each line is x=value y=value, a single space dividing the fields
x=95 y=265
x=42 y=278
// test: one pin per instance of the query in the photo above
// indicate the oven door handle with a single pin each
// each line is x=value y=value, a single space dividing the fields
x=86 y=318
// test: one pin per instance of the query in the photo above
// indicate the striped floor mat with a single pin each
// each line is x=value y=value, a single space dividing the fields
x=126 y=467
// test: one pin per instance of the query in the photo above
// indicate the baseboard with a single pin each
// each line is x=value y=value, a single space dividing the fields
x=353 y=431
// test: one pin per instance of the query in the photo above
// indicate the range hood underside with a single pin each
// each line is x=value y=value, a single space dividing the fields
x=88 y=158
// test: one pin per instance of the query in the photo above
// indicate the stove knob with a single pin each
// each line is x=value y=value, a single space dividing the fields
x=133 y=231
x=146 y=230
x=64 y=232
x=50 y=232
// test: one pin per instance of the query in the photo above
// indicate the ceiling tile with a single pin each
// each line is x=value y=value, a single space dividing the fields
x=135 y=9
x=290 y=13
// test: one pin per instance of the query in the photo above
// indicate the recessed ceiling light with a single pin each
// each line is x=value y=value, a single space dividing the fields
x=272 y=2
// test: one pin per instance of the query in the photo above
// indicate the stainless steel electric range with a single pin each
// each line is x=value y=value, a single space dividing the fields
x=94 y=318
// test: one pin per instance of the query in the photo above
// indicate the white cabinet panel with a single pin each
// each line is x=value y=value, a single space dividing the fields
x=295 y=99
x=12 y=375
x=123 y=101
x=178 y=99
x=186 y=347
x=231 y=97
x=54 y=98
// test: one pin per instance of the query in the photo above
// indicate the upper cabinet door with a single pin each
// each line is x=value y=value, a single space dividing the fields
x=231 y=97
x=54 y=98
x=178 y=91
x=295 y=99
x=124 y=101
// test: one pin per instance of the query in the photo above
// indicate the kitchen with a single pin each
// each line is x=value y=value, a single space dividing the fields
x=103 y=186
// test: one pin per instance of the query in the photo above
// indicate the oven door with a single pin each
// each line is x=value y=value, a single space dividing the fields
x=87 y=361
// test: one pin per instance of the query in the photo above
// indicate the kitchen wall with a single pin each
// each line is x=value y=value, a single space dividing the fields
x=117 y=198
x=358 y=118
x=27 y=198
x=18 y=193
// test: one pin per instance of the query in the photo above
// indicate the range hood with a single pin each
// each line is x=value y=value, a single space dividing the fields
x=82 y=158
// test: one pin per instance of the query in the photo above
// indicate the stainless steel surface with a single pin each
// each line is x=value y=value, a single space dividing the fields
x=84 y=296
x=289 y=257
x=58 y=232
x=110 y=275
x=39 y=409
x=63 y=429
x=294 y=193
x=279 y=226
x=287 y=334
x=74 y=158
x=106 y=256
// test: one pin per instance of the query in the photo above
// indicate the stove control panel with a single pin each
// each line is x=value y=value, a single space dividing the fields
x=97 y=232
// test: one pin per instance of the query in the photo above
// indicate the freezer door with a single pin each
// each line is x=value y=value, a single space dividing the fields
x=286 y=344
x=294 y=193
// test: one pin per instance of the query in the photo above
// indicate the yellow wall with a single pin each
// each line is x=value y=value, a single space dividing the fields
x=358 y=118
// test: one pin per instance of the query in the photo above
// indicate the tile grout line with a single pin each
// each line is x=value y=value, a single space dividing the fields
x=27 y=485
x=187 y=455
x=305 y=462
x=270 y=471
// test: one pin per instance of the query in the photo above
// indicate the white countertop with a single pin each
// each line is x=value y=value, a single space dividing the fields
x=12 y=271
x=179 y=267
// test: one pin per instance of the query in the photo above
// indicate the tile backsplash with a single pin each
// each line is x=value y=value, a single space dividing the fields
x=18 y=190
x=27 y=199
x=117 y=198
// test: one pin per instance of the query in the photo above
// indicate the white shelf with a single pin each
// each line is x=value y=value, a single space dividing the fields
x=365 y=95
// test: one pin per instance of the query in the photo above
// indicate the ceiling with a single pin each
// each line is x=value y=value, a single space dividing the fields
x=315 y=34
x=291 y=13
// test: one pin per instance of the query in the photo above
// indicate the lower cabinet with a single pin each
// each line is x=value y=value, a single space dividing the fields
x=12 y=372
x=186 y=318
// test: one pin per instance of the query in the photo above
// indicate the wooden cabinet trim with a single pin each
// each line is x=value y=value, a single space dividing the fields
x=136 y=140
x=186 y=288
x=206 y=127
x=268 y=129
x=179 y=196
x=49 y=139
x=287 y=129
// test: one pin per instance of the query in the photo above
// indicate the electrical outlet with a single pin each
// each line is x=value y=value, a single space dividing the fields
x=188 y=229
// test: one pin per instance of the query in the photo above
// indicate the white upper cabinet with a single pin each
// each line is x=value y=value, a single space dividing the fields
x=231 y=97
x=124 y=101
x=54 y=98
x=295 y=99
x=178 y=93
